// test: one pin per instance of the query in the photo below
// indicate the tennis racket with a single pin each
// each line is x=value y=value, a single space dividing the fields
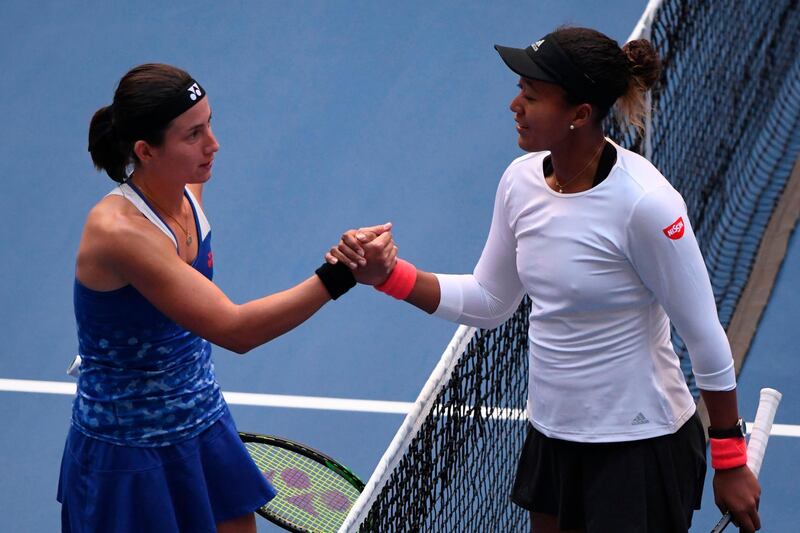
x=759 y=436
x=315 y=493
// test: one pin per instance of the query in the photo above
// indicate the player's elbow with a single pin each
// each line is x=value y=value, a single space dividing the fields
x=238 y=347
x=485 y=320
x=242 y=340
x=237 y=344
x=234 y=333
x=499 y=311
x=482 y=308
x=492 y=322
x=233 y=343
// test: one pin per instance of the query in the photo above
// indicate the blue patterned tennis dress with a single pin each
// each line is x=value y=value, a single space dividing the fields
x=152 y=446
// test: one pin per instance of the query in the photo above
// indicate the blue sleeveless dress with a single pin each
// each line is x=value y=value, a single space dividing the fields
x=152 y=446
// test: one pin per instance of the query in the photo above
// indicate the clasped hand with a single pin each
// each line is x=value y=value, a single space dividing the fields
x=369 y=252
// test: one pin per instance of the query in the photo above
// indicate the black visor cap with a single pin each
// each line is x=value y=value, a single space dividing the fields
x=545 y=60
x=518 y=60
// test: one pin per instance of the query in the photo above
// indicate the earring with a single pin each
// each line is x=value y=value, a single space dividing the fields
x=572 y=126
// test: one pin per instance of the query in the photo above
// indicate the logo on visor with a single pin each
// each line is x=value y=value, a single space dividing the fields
x=195 y=92
x=675 y=230
x=536 y=45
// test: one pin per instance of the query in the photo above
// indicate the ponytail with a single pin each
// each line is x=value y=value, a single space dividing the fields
x=108 y=152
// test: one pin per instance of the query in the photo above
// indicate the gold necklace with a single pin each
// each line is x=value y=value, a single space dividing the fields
x=573 y=178
x=188 y=235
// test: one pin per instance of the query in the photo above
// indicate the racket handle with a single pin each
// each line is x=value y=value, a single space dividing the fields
x=759 y=436
x=768 y=402
x=722 y=524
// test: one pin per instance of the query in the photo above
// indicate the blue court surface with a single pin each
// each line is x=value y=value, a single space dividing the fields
x=330 y=115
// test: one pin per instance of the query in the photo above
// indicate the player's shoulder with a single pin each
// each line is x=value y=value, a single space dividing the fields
x=641 y=174
x=116 y=224
x=523 y=169
x=640 y=183
x=113 y=216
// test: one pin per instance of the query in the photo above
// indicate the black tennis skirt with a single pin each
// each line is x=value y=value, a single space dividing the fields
x=644 y=486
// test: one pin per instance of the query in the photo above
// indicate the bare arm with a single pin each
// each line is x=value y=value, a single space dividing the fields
x=151 y=265
x=722 y=408
x=426 y=292
x=137 y=253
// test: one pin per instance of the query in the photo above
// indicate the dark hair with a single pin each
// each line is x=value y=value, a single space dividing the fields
x=114 y=129
x=626 y=72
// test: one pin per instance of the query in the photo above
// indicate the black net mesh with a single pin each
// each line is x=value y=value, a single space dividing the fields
x=724 y=130
x=450 y=476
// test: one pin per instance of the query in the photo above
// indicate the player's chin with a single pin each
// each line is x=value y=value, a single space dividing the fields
x=202 y=176
x=527 y=139
x=528 y=144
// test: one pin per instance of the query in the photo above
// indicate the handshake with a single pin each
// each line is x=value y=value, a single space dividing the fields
x=369 y=252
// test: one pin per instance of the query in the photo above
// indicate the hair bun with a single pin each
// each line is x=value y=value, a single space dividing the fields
x=643 y=61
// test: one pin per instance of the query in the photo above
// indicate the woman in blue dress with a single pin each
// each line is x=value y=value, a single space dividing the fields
x=152 y=446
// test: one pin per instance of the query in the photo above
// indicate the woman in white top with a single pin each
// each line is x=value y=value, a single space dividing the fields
x=603 y=245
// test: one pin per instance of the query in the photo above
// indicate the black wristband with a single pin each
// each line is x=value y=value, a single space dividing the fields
x=338 y=279
x=738 y=431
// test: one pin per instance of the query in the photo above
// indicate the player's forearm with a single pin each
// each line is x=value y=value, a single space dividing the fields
x=262 y=320
x=426 y=293
x=723 y=411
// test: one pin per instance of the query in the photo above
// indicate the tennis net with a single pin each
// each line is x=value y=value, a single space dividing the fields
x=724 y=129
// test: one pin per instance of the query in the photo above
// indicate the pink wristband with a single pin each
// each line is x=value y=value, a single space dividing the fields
x=401 y=281
x=728 y=453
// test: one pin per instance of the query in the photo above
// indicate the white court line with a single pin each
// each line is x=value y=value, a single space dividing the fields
x=782 y=430
x=235 y=398
x=296 y=402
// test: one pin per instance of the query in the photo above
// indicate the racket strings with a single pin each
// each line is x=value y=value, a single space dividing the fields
x=311 y=496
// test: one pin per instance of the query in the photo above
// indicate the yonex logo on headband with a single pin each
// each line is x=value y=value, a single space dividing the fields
x=141 y=126
x=537 y=44
x=195 y=92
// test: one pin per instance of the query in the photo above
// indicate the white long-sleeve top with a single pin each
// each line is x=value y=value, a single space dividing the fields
x=604 y=268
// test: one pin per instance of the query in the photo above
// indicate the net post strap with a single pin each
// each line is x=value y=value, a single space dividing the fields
x=413 y=420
